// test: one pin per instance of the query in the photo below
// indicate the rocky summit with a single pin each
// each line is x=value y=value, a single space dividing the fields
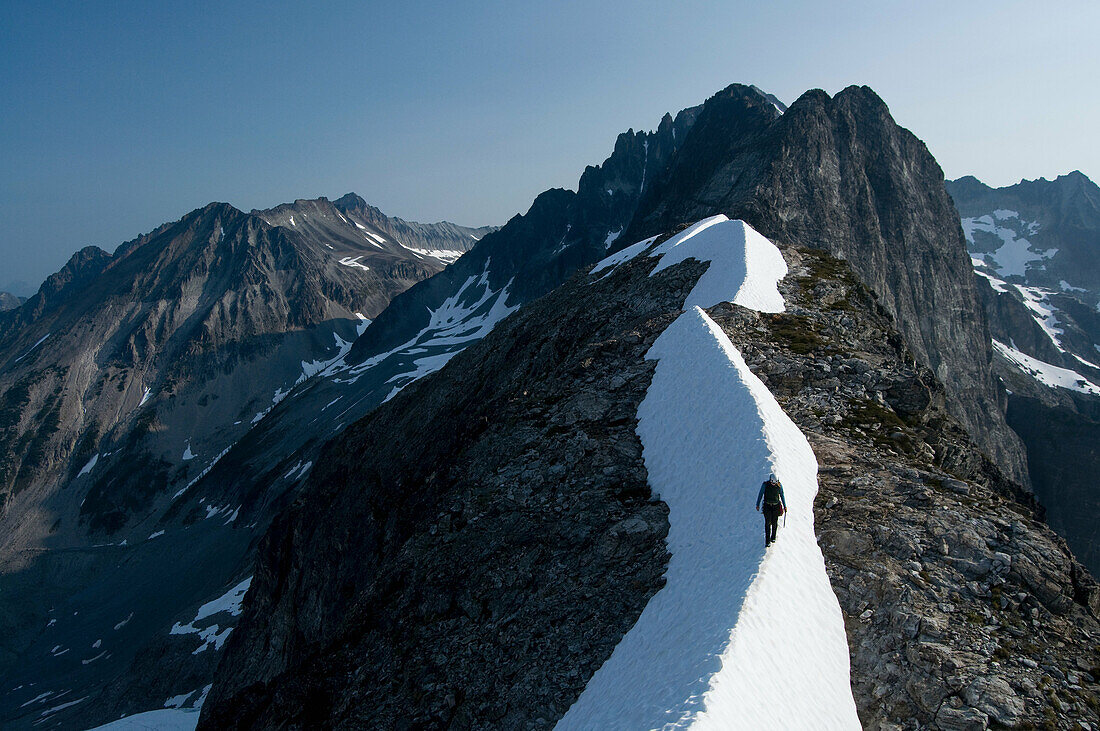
x=313 y=466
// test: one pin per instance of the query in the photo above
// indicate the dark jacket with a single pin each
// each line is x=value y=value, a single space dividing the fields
x=764 y=489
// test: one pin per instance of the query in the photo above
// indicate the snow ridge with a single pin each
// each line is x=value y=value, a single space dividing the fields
x=738 y=637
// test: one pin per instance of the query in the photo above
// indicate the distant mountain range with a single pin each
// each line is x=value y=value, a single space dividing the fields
x=1035 y=247
x=127 y=374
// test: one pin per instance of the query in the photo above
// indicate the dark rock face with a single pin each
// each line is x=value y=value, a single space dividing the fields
x=1063 y=450
x=839 y=174
x=521 y=543
x=452 y=582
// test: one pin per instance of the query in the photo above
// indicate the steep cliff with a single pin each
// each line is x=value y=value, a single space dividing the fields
x=1033 y=247
x=839 y=174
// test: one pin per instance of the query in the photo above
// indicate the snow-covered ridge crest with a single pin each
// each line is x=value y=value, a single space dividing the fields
x=737 y=638
x=744 y=266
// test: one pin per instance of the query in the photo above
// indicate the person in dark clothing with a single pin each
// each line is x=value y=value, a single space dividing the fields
x=775 y=504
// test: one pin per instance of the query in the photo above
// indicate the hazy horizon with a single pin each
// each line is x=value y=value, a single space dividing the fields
x=127 y=117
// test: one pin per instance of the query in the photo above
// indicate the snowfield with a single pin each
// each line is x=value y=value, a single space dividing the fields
x=1046 y=373
x=739 y=637
x=1015 y=255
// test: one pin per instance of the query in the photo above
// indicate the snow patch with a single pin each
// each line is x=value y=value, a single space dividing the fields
x=1036 y=299
x=1081 y=360
x=353 y=261
x=167 y=719
x=1046 y=373
x=999 y=285
x=453 y=325
x=1014 y=255
x=312 y=368
x=611 y=236
x=187 y=453
x=157 y=534
x=229 y=602
x=55 y=709
x=40 y=341
x=124 y=622
x=38 y=698
x=202 y=474
x=88 y=466
x=1067 y=287
x=145 y=396
x=292 y=221
x=447 y=256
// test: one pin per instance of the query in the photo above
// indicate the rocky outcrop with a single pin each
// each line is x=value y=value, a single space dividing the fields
x=839 y=174
x=453 y=582
x=562 y=231
x=9 y=301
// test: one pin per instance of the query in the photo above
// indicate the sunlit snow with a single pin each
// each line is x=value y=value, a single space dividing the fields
x=40 y=341
x=1046 y=373
x=446 y=256
x=1015 y=254
x=737 y=638
x=88 y=466
x=353 y=261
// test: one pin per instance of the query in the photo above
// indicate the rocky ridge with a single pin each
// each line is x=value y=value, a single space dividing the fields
x=9 y=301
x=480 y=578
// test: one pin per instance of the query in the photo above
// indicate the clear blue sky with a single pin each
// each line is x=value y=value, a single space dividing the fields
x=120 y=116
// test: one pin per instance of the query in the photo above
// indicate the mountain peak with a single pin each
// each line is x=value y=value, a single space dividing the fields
x=350 y=200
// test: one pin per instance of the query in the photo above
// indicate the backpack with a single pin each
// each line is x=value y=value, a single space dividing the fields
x=771 y=493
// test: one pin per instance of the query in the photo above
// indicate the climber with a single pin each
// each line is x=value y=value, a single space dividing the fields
x=775 y=504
